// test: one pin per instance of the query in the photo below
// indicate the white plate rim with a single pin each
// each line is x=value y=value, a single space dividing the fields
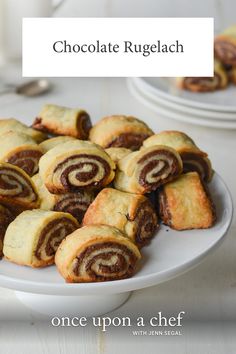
x=202 y=114
x=181 y=117
x=181 y=100
x=120 y=286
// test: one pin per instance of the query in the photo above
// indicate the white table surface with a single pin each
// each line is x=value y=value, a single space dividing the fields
x=207 y=294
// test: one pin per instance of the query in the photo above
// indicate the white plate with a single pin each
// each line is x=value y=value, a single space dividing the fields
x=166 y=111
x=220 y=101
x=169 y=254
x=201 y=113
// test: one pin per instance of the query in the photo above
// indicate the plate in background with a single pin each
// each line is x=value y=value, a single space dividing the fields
x=220 y=101
x=201 y=113
x=167 y=111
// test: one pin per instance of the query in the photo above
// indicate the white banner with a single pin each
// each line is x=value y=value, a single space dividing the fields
x=128 y=47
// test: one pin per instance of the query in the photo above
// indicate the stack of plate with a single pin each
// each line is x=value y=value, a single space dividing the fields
x=215 y=109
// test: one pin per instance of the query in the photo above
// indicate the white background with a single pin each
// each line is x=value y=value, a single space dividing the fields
x=223 y=11
x=39 y=58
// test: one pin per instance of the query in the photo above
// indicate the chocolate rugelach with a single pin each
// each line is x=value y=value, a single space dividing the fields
x=83 y=176
x=205 y=84
x=16 y=188
x=192 y=157
x=45 y=231
x=121 y=268
x=75 y=204
x=96 y=253
x=185 y=203
x=6 y=217
x=150 y=166
x=49 y=244
x=144 y=171
x=131 y=213
x=130 y=141
x=27 y=160
x=76 y=165
x=120 y=131
x=225 y=46
x=58 y=120
x=20 y=150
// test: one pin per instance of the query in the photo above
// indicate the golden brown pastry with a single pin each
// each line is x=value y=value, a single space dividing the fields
x=75 y=204
x=205 y=84
x=6 y=217
x=225 y=46
x=233 y=75
x=96 y=253
x=193 y=158
x=185 y=204
x=20 y=150
x=231 y=72
x=145 y=170
x=76 y=165
x=120 y=131
x=17 y=188
x=34 y=236
x=49 y=144
x=133 y=214
x=59 y=120
x=11 y=124
x=117 y=154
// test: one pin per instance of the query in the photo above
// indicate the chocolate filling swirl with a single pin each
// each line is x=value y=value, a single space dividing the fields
x=51 y=237
x=84 y=125
x=13 y=184
x=157 y=167
x=194 y=162
x=75 y=204
x=132 y=141
x=27 y=160
x=82 y=171
x=105 y=261
x=225 y=51
x=6 y=217
x=203 y=84
x=146 y=221
x=164 y=208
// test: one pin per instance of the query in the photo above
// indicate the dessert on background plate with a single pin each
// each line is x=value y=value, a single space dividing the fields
x=205 y=84
x=225 y=46
x=224 y=66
